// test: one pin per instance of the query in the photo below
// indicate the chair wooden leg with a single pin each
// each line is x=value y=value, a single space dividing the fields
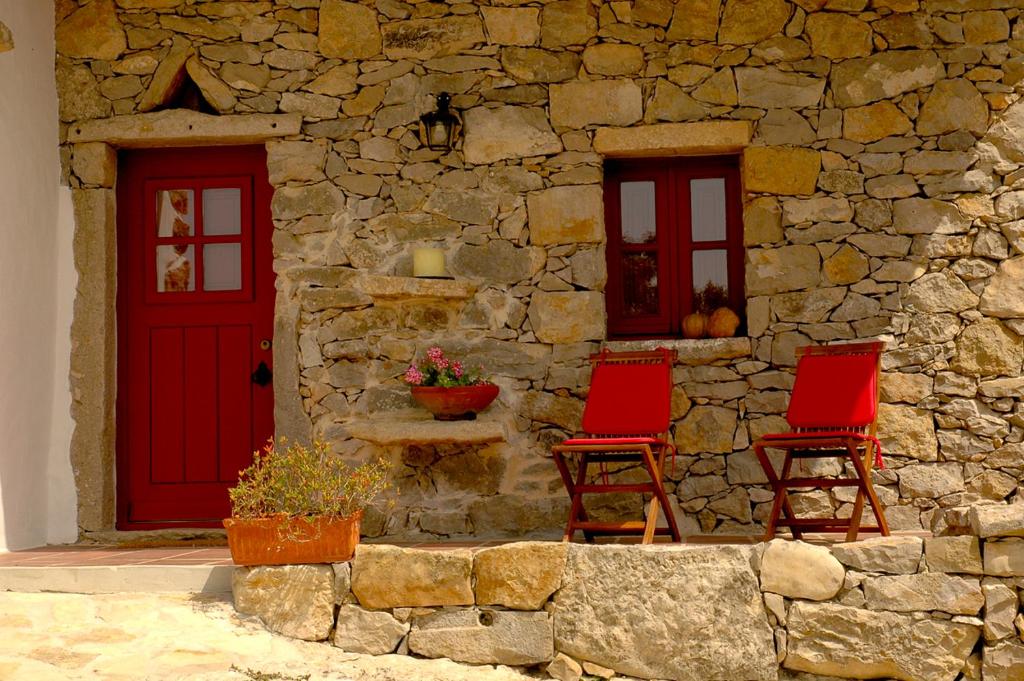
x=863 y=468
x=781 y=504
x=655 y=471
x=858 y=502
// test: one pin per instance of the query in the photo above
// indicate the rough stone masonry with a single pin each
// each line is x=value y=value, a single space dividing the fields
x=883 y=198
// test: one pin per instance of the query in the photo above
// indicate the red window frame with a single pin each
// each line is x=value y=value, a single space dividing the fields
x=673 y=244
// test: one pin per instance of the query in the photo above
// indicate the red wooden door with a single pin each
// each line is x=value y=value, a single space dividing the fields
x=195 y=322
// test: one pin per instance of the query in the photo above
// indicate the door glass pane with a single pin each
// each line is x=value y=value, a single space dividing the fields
x=711 y=276
x=175 y=213
x=222 y=267
x=640 y=283
x=638 y=215
x=707 y=209
x=222 y=211
x=175 y=268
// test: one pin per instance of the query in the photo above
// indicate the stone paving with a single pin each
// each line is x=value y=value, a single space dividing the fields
x=61 y=637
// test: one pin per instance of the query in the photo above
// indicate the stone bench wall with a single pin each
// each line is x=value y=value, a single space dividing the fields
x=905 y=607
x=881 y=153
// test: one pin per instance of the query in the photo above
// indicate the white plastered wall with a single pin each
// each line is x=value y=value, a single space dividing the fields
x=37 y=281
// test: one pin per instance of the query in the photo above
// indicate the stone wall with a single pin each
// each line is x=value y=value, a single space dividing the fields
x=881 y=160
x=903 y=607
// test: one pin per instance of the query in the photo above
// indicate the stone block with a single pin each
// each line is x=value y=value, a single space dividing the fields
x=746 y=22
x=924 y=591
x=928 y=216
x=798 y=570
x=521 y=576
x=564 y=668
x=495 y=134
x=472 y=207
x=874 y=122
x=1001 y=605
x=838 y=36
x=566 y=215
x=348 y=30
x=771 y=88
x=706 y=428
x=705 y=137
x=931 y=481
x=1004 y=294
x=940 y=292
x=293 y=600
x=856 y=82
x=781 y=170
x=907 y=431
x=987 y=348
x=481 y=636
x=368 y=632
x=997 y=520
x=893 y=555
x=953 y=554
x=95 y=163
x=427 y=38
x=92 y=32
x=1004 y=558
x=393 y=577
x=600 y=102
x=6 y=38
x=567 y=317
x=613 y=59
x=697 y=20
x=603 y=612
x=530 y=65
x=512 y=25
x=953 y=105
x=567 y=22
x=762 y=222
x=837 y=640
x=290 y=203
x=777 y=270
x=1003 y=661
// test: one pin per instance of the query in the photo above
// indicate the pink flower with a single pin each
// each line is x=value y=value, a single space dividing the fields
x=457 y=369
x=413 y=375
x=436 y=354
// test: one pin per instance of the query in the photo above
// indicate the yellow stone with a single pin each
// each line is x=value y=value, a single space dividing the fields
x=667 y=139
x=613 y=59
x=781 y=170
x=512 y=26
x=521 y=576
x=695 y=20
x=838 y=36
x=566 y=215
x=348 y=30
x=567 y=316
x=874 y=122
x=93 y=32
x=745 y=22
x=846 y=266
x=762 y=221
x=896 y=5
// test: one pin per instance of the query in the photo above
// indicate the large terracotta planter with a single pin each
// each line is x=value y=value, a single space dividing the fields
x=457 y=403
x=284 y=541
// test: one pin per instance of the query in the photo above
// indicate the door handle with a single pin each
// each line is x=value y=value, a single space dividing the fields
x=262 y=375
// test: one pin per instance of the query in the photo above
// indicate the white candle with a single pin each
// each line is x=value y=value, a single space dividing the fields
x=428 y=262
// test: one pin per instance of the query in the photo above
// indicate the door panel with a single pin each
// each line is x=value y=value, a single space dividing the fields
x=195 y=300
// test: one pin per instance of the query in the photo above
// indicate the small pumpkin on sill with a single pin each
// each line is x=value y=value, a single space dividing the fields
x=694 y=325
x=723 y=323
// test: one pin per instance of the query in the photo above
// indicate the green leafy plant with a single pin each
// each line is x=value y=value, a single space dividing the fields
x=437 y=369
x=290 y=479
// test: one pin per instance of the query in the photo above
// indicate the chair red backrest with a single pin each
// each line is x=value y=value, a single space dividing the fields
x=630 y=394
x=836 y=387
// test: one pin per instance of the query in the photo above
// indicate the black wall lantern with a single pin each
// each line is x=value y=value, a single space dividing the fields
x=440 y=129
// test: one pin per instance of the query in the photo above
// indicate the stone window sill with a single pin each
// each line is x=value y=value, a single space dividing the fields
x=421 y=429
x=689 y=351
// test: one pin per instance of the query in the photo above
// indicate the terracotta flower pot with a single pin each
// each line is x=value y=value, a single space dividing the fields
x=284 y=541
x=454 y=404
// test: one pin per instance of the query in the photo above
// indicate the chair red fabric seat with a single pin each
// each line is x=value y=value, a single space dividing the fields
x=625 y=421
x=586 y=441
x=833 y=411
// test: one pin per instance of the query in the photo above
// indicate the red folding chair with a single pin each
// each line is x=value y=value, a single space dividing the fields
x=625 y=421
x=833 y=412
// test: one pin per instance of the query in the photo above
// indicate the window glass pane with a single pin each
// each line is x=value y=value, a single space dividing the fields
x=222 y=211
x=707 y=209
x=175 y=213
x=640 y=283
x=711 y=276
x=222 y=267
x=638 y=215
x=175 y=268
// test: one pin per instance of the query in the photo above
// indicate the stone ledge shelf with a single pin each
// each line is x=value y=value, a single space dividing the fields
x=693 y=352
x=417 y=287
x=423 y=430
x=178 y=128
